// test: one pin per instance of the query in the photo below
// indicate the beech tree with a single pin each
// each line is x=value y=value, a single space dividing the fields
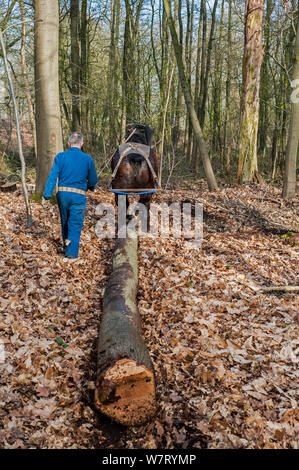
x=75 y=64
x=47 y=112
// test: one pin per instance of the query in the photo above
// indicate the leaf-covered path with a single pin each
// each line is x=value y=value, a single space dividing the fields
x=226 y=357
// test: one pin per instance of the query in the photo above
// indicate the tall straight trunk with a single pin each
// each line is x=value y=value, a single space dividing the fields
x=252 y=61
x=204 y=92
x=289 y=184
x=217 y=91
x=164 y=85
x=133 y=10
x=274 y=138
x=113 y=72
x=125 y=71
x=88 y=76
x=83 y=65
x=188 y=60
x=212 y=184
x=117 y=71
x=48 y=119
x=63 y=60
x=196 y=89
x=203 y=12
x=228 y=76
x=265 y=91
x=25 y=77
x=75 y=64
x=176 y=135
x=109 y=78
x=18 y=130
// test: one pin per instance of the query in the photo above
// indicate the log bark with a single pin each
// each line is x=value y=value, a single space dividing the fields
x=8 y=188
x=125 y=386
x=262 y=289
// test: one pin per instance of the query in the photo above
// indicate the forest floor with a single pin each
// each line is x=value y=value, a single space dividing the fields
x=225 y=355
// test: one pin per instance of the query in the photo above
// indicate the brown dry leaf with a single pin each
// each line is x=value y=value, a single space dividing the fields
x=225 y=356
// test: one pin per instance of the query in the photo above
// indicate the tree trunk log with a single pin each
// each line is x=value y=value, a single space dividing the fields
x=262 y=289
x=125 y=387
x=8 y=188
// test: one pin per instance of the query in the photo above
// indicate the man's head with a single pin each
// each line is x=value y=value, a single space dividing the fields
x=76 y=140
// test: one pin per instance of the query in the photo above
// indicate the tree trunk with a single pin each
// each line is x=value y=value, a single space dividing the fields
x=75 y=65
x=265 y=91
x=204 y=90
x=203 y=12
x=252 y=62
x=8 y=187
x=25 y=77
x=48 y=121
x=188 y=60
x=125 y=387
x=228 y=80
x=18 y=130
x=112 y=75
x=176 y=134
x=130 y=86
x=289 y=184
x=212 y=184
x=196 y=90
x=215 y=119
x=83 y=65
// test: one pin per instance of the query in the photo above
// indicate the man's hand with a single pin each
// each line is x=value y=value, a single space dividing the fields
x=45 y=202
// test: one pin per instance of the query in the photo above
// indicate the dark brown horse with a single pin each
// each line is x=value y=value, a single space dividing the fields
x=133 y=171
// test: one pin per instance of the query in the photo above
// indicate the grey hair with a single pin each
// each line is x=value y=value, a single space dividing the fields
x=76 y=138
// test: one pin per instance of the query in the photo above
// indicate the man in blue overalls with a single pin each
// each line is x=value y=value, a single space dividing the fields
x=76 y=174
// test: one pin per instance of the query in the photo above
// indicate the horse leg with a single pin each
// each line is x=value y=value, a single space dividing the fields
x=146 y=200
x=120 y=207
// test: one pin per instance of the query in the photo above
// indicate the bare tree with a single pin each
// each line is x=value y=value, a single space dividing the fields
x=189 y=101
x=18 y=129
x=252 y=62
x=25 y=75
x=289 y=184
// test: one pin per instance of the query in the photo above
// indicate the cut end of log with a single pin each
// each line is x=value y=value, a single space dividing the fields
x=126 y=393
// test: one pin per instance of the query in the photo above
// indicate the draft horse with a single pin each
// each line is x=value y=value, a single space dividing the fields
x=135 y=165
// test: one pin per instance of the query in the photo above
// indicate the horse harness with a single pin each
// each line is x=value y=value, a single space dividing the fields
x=141 y=149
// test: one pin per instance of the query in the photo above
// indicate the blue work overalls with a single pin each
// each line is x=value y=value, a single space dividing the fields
x=74 y=169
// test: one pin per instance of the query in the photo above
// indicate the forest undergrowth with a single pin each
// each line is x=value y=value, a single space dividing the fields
x=225 y=354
